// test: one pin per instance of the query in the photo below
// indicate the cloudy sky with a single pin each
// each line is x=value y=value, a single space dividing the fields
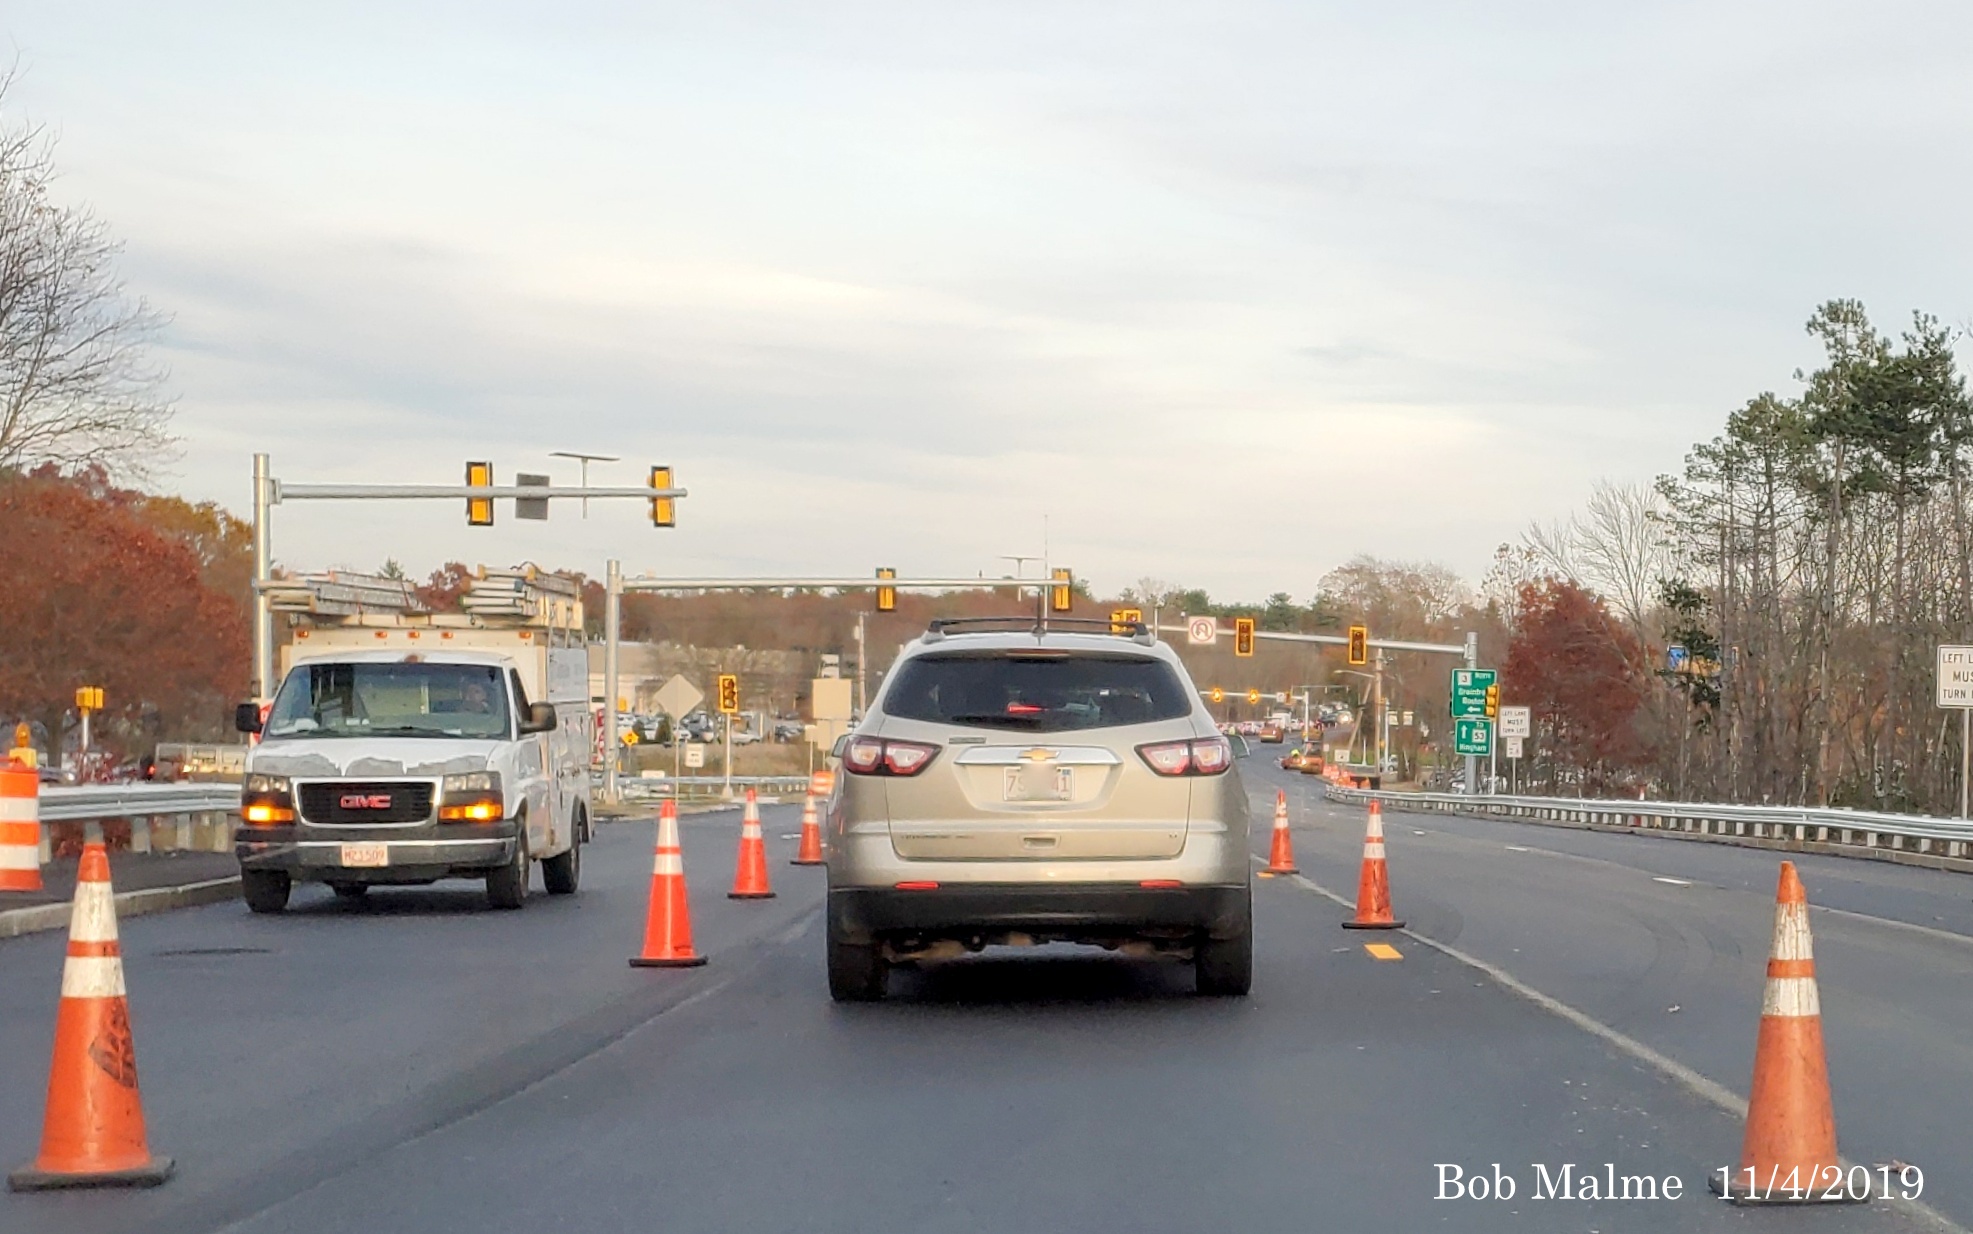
x=1222 y=293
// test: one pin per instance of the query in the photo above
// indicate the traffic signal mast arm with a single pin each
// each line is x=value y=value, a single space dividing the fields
x=372 y=492
x=1340 y=640
x=647 y=583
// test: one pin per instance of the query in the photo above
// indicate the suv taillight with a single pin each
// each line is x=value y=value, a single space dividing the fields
x=1207 y=756
x=877 y=756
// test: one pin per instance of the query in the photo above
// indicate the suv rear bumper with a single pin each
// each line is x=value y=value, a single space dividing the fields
x=1075 y=910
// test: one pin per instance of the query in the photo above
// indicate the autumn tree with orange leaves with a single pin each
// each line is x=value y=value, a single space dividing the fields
x=142 y=595
x=1582 y=671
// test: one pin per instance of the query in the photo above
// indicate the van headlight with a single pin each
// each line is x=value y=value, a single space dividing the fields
x=471 y=797
x=266 y=801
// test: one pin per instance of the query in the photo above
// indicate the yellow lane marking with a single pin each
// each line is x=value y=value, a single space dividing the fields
x=1383 y=951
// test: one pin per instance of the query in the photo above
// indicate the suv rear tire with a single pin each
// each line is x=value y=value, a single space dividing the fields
x=265 y=891
x=1225 y=966
x=858 y=972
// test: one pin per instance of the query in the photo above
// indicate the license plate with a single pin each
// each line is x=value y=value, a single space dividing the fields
x=1038 y=784
x=365 y=856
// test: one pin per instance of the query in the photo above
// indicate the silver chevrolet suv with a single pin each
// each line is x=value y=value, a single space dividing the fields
x=1015 y=785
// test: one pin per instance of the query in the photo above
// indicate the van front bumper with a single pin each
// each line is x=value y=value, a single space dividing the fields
x=472 y=853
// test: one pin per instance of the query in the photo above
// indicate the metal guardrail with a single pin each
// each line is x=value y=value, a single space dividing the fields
x=86 y=802
x=1781 y=825
x=657 y=788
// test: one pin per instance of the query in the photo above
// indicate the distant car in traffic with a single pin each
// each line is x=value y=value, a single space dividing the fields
x=1012 y=787
x=1272 y=734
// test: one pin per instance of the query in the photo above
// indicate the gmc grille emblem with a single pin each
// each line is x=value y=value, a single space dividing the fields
x=359 y=801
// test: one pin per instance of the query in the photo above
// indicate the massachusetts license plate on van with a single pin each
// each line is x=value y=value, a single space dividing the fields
x=365 y=856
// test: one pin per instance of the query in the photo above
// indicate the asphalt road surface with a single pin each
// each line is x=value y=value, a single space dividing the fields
x=417 y=1062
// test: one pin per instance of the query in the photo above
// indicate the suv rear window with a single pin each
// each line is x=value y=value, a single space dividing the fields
x=1036 y=693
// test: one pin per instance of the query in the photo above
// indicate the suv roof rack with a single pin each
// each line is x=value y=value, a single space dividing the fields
x=941 y=627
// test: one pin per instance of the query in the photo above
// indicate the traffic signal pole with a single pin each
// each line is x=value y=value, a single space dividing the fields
x=612 y=621
x=1472 y=651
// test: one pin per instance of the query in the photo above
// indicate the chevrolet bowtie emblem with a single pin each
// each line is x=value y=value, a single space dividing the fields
x=1037 y=755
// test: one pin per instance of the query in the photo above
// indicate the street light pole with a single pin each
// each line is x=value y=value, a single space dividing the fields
x=585 y=459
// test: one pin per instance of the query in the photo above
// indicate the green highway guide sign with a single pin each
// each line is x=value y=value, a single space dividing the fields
x=1471 y=735
x=1469 y=691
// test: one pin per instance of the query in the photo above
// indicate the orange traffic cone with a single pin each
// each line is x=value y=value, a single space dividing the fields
x=1789 y=1153
x=93 y=1132
x=20 y=827
x=750 y=876
x=810 y=852
x=1281 y=853
x=1373 y=883
x=668 y=921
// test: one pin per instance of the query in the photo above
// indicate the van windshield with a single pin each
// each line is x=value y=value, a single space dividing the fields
x=405 y=699
x=1036 y=694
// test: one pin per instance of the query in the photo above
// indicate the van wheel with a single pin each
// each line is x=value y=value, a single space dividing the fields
x=562 y=873
x=507 y=887
x=265 y=891
x=1225 y=966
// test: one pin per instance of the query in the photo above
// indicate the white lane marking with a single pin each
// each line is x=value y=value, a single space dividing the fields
x=1676 y=882
x=1517 y=848
x=1698 y=1084
x=1893 y=923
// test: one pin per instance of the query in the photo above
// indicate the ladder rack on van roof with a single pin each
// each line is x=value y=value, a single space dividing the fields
x=498 y=598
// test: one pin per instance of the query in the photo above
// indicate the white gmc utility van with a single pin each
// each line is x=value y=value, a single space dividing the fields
x=404 y=748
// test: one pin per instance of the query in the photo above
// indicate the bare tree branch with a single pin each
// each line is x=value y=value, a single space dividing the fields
x=77 y=388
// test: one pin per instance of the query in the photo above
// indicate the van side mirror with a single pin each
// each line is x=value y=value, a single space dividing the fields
x=246 y=717
x=540 y=719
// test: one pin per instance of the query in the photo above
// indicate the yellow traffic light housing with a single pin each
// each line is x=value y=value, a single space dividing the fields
x=1253 y=696
x=1243 y=636
x=886 y=596
x=479 y=510
x=89 y=698
x=1121 y=619
x=664 y=510
x=1359 y=644
x=729 y=694
x=1061 y=595
x=1219 y=695
x=1493 y=701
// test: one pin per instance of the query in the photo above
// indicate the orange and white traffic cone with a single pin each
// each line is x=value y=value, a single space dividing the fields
x=668 y=921
x=20 y=827
x=750 y=875
x=92 y=1134
x=1788 y=1155
x=1281 y=852
x=1373 y=883
x=810 y=851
